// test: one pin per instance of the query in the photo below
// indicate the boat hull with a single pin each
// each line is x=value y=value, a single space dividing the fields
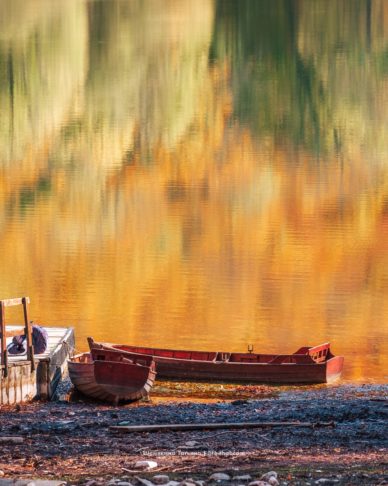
x=306 y=366
x=247 y=373
x=334 y=368
x=110 y=381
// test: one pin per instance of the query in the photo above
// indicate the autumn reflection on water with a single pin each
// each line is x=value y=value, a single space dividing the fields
x=201 y=174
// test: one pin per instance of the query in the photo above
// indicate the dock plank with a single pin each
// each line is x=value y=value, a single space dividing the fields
x=55 y=337
x=24 y=383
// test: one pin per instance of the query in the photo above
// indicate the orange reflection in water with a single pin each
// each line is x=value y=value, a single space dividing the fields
x=180 y=226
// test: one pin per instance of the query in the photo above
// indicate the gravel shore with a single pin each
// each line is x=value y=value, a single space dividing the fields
x=72 y=441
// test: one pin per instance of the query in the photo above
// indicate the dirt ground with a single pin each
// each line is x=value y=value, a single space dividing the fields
x=346 y=442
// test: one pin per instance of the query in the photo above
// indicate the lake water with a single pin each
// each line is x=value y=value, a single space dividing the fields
x=199 y=173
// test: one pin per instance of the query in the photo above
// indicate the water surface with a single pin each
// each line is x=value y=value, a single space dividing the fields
x=199 y=173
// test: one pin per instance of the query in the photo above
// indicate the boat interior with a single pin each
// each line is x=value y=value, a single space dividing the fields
x=305 y=355
x=113 y=356
x=117 y=356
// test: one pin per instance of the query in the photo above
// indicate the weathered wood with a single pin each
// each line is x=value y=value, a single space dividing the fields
x=296 y=368
x=28 y=334
x=22 y=383
x=235 y=425
x=3 y=334
x=107 y=376
x=11 y=440
x=19 y=385
x=13 y=332
x=17 y=301
x=3 y=342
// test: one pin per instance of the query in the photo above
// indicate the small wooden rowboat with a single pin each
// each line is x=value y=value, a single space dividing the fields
x=307 y=365
x=112 y=376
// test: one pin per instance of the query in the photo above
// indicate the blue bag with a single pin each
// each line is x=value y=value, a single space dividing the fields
x=18 y=346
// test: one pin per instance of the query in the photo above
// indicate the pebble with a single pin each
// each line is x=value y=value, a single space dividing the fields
x=145 y=481
x=145 y=465
x=258 y=483
x=268 y=475
x=245 y=477
x=2 y=473
x=273 y=481
x=191 y=443
x=160 y=479
x=220 y=477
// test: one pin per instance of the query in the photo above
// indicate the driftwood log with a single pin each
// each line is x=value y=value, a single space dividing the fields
x=11 y=440
x=126 y=429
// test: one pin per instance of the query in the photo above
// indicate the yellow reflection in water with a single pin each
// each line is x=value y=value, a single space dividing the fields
x=137 y=206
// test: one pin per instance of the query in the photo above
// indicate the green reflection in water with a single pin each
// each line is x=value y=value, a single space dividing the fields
x=304 y=72
x=215 y=170
x=42 y=64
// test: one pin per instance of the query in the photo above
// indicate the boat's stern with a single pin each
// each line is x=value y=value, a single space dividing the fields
x=334 y=368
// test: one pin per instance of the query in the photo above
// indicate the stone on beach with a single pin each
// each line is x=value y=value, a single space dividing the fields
x=192 y=443
x=145 y=482
x=267 y=476
x=160 y=479
x=220 y=477
x=245 y=477
x=326 y=480
x=145 y=465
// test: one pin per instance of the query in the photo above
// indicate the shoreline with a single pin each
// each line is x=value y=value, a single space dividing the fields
x=72 y=441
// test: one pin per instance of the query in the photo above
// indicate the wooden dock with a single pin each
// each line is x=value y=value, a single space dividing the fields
x=22 y=382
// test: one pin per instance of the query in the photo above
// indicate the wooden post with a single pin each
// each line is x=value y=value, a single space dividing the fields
x=28 y=333
x=3 y=340
x=3 y=333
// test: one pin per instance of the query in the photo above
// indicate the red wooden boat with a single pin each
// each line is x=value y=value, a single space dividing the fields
x=307 y=365
x=112 y=376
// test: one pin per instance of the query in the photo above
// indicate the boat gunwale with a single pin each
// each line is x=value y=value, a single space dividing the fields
x=92 y=361
x=173 y=359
